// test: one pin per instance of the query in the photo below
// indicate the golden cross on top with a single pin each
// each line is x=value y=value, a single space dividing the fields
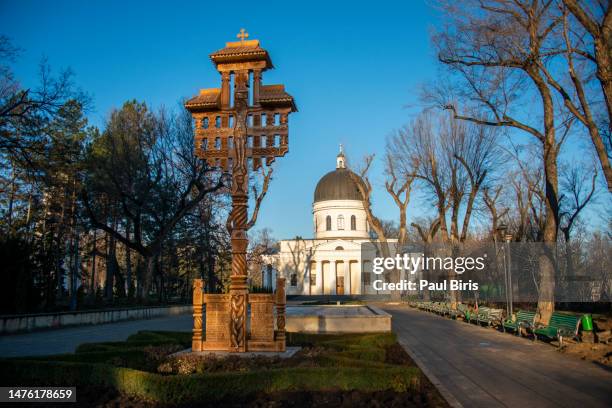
x=243 y=35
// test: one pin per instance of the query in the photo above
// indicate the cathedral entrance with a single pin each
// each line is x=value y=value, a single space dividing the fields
x=340 y=285
x=339 y=278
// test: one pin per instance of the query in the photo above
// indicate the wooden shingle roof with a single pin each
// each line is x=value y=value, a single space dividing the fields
x=207 y=98
x=240 y=51
x=275 y=94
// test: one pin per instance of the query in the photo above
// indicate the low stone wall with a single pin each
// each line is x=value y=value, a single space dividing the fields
x=375 y=321
x=31 y=322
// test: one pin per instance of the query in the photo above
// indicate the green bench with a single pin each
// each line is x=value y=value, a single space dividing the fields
x=459 y=311
x=474 y=315
x=441 y=308
x=560 y=325
x=524 y=319
x=489 y=316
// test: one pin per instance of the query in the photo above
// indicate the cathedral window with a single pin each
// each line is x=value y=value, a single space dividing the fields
x=328 y=223
x=353 y=223
x=340 y=222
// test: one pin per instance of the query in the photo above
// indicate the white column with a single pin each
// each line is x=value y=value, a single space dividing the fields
x=347 y=277
x=333 y=279
x=319 y=285
x=358 y=278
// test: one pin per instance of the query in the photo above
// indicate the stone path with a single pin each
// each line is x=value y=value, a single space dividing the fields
x=474 y=367
x=66 y=340
x=480 y=367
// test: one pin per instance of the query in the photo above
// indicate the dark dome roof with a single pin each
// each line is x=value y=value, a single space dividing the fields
x=337 y=185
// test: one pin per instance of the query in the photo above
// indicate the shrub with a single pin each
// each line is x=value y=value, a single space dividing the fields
x=340 y=362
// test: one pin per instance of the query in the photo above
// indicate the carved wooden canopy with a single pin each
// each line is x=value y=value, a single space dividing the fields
x=267 y=113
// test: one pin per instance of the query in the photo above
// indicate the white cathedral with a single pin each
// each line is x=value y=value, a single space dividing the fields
x=333 y=262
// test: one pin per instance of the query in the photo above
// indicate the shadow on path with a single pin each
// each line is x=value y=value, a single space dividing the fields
x=482 y=367
x=67 y=339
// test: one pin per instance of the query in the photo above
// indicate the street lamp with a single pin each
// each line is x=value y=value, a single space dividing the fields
x=502 y=233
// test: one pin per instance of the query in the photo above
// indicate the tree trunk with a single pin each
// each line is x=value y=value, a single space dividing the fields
x=128 y=264
x=111 y=264
x=93 y=264
x=144 y=284
x=546 y=298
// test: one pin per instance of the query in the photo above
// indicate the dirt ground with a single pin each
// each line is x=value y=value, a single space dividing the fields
x=598 y=353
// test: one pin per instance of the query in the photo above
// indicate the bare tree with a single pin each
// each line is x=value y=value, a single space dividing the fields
x=24 y=113
x=399 y=187
x=266 y=177
x=491 y=199
x=496 y=48
x=586 y=37
x=145 y=166
x=452 y=160
x=364 y=186
x=580 y=186
x=427 y=235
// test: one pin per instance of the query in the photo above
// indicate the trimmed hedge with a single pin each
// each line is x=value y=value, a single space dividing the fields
x=177 y=389
x=352 y=362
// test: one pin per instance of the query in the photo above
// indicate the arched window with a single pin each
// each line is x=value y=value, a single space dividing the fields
x=353 y=223
x=328 y=223
x=293 y=279
x=340 y=222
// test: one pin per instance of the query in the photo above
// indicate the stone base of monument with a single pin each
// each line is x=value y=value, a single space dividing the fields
x=289 y=352
x=333 y=319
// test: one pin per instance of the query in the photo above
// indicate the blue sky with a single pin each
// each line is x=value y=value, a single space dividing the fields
x=354 y=70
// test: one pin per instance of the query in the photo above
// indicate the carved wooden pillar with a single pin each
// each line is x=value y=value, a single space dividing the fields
x=225 y=90
x=196 y=342
x=281 y=301
x=256 y=85
x=237 y=222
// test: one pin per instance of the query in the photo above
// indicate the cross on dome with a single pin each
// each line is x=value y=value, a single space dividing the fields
x=340 y=161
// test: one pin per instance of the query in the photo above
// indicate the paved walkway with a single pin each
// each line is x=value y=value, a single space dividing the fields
x=66 y=340
x=481 y=367
x=475 y=367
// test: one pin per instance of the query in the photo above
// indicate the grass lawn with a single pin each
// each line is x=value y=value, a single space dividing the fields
x=331 y=370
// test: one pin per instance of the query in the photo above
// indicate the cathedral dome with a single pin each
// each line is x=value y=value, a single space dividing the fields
x=338 y=205
x=337 y=185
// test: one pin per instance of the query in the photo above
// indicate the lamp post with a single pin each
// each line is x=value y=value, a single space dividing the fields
x=502 y=233
x=508 y=238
